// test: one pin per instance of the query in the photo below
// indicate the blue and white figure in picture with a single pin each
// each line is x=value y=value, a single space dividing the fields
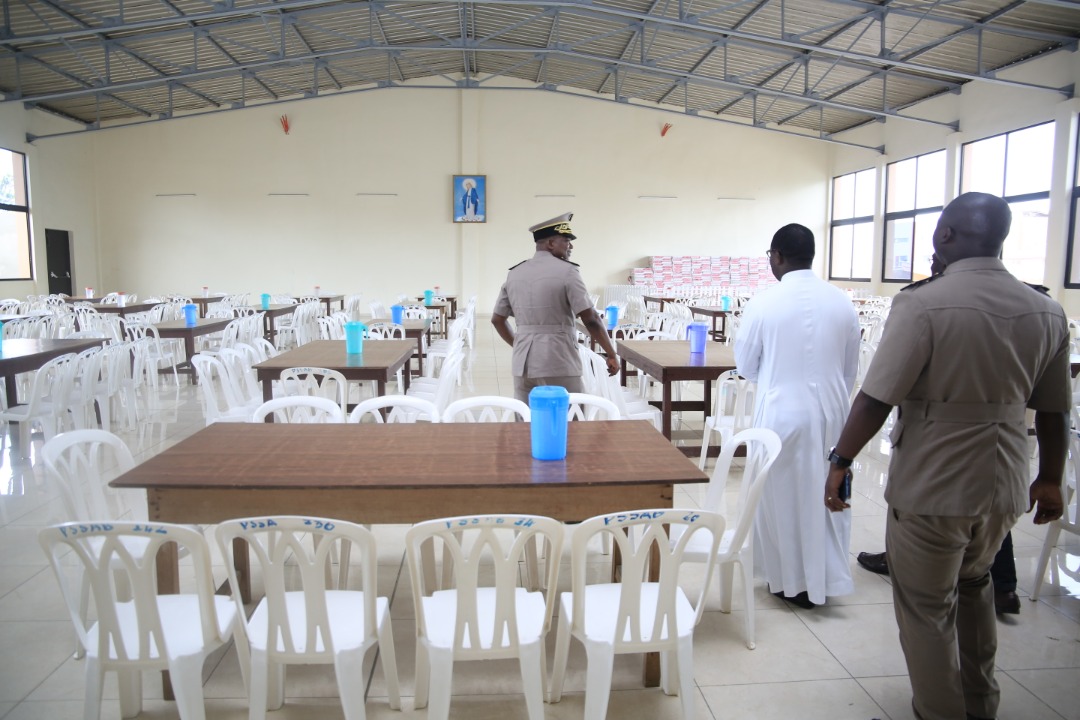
x=470 y=198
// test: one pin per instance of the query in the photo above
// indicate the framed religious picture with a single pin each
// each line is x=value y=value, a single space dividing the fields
x=470 y=198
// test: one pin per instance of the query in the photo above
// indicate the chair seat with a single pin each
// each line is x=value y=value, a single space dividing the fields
x=344 y=608
x=440 y=609
x=602 y=601
x=180 y=623
x=698 y=545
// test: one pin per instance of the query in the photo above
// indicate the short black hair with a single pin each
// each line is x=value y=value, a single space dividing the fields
x=795 y=242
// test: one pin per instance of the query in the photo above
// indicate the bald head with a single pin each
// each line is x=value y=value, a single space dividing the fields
x=972 y=225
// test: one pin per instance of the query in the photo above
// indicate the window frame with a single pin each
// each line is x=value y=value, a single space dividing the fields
x=852 y=221
x=25 y=210
x=888 y=217
x=1074 y=196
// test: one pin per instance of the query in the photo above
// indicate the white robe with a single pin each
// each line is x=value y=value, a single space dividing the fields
x=799 y=340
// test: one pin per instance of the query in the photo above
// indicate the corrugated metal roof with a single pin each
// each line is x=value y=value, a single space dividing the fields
x=813 y=66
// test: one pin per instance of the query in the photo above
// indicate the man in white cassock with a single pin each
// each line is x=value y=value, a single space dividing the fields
x=799 y=341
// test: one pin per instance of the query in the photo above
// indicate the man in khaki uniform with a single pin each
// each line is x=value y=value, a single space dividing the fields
x=544 y=294
x=964 y=354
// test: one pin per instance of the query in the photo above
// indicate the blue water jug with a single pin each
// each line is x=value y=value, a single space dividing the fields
x=725 y=303
x=429 y=296
x=548 y=406
x=354 y=337
x=265 y=301
x=612 y=316
x=697 y=332
x=396 y=312
x=191 y=314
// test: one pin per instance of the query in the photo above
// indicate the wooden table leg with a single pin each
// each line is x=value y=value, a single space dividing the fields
x=242 y=563
x=665 y=410
x=168 y=580
x=651 y=671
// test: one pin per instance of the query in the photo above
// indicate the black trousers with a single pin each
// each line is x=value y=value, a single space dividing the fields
x=1003 y=571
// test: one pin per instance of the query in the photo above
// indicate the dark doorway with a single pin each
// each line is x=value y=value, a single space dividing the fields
x=58 y=257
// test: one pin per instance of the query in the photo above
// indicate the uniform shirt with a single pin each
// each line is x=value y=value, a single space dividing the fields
x=964 y=355
x=544 y=295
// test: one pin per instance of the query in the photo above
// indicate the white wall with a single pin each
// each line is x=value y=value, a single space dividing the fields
x=982 y=109
x=233 y=237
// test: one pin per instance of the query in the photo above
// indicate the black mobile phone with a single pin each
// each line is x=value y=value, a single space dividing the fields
x=845 y=487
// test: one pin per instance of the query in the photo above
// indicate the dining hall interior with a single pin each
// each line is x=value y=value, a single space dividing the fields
x=351 y=193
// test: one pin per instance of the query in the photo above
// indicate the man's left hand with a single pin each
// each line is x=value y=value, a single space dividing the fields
x=612 y=365
x=832 y=489
x=1046 y=496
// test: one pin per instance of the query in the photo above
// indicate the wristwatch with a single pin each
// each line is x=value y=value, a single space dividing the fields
x=838 y=460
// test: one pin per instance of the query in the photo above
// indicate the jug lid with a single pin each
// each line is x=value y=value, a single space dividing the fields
x=548 y=392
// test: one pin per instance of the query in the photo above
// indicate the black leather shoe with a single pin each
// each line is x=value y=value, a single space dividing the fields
x=801 y=600
x=1006 y=602
x=874 y=562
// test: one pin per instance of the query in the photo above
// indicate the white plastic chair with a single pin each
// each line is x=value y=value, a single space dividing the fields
x=476 y=609
x=737 y=544
x=486 y=408
x=44 y=404
x=592 y=407
x=316 y=382
x=300 y=409
x=221 y=397
x=402 y=409
x=1070 y=518
x=733 y=411
x=634 y=615
x=149 y=631
x=310 y=625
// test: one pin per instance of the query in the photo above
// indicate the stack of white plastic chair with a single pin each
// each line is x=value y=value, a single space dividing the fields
x=432 y=368
x=441 y=392
x=147 y=631
x=45 y=403
x=222 y=398
x=397 y=408
x=85 y=384
x=151 y=354
x=121 y=386
x=485 y=409
x=635 y=615
x=455 y=340
x=305 y=325
x=479 y=607
x=378 y=310
x=352 y=305
x=598 y=382
x=1069 y=520
x=238 y=364
x=733 y=411
x=299 y=409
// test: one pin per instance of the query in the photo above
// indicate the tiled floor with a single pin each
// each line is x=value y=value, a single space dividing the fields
x=837 y=662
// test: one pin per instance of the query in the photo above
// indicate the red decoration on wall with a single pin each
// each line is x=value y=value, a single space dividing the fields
x=663 y=130
x=285 y=123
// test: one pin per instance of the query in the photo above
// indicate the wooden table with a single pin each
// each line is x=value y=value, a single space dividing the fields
x=19 y=355
x=416 y=330
x=452 y=299
x=659 y=300
x=716 y=312
x=180 y=330
x=326 y=300
x=373 y=473
x=380 y=362
x=270 y=317
x=205 y=302
x=669 y=361
x=125 y=310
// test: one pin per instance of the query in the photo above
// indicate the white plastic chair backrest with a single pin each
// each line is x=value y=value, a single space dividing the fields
x=316 y=382
x=402 y=409
x=106 y=548
x=648 y=528
x=378 y=310
x=300 y=409
x=762 y=448
x=243 y=379
x=215 y=379
x=287 y=559
x=414 y=312
x=592 y=407
x=481 y=551
x=50 y=383
x=449 y=376
x=386 y=331
x=79 y=463
x=486 y=408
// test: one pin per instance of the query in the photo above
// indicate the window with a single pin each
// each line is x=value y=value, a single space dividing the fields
x=914 y=198
x=14 y=218
x=1072 y=268
x=851 y=233
x=1016 y=166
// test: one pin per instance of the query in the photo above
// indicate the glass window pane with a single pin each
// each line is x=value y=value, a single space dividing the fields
x=865 y=190
x=841 y=252
x=862 y=250
x=901 y=186
x=12 y=178
x=1074 y=267
x=931 y=180
x=898 y=246
x=14 y=245
x=1028 y=160
x=1024 y=253
x=923 y=253
x=984 y=166
x=843 y=197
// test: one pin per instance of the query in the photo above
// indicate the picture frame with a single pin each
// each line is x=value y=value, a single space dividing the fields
x=470 y=199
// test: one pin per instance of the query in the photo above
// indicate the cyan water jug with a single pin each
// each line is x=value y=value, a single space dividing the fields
x=354 y=337
x=429 y=296
x=396 y=312
x=612 y=316
x=191 y=314
x=265 y=301
x=548 y=406
x=697 y=332
x=725 y=303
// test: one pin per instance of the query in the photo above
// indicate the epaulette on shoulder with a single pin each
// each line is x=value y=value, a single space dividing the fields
x=520 y=263
x=573 y=263
x=1039 y=288
x=919 y=284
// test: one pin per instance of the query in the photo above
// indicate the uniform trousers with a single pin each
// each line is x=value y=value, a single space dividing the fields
x=944 y=603
x=522 y=385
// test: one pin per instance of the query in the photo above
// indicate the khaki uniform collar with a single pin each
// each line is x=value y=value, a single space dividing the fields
x=975 y=263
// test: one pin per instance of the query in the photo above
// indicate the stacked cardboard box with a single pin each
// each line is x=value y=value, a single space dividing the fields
x=670 y=271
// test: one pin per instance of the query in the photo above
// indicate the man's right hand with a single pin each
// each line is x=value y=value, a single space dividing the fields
x=1046 y=499
x=612 y=365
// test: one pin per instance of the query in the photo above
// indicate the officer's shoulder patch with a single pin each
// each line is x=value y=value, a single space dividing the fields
x=919 y=284
x=1039 y=288
x=520 y=263
x=573 y=263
